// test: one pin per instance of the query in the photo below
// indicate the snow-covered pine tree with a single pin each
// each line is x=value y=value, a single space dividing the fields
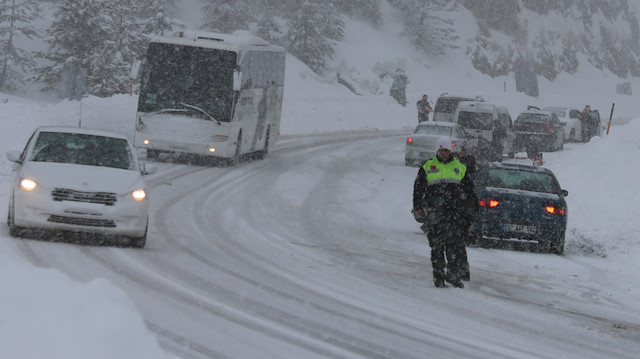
x=122 y=46
x=226 y=16
x=368 y=10
x=156 y=19
x=314 y=28
x=78 y=29
x=16 y=17
x=429 y=31
x=267 y=27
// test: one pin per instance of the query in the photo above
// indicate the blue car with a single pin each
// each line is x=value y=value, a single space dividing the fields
x=520 y=206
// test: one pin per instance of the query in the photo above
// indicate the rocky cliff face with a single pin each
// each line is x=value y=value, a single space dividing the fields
x=555 y=35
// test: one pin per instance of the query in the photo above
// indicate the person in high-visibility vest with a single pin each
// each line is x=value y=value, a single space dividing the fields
x=444 y=195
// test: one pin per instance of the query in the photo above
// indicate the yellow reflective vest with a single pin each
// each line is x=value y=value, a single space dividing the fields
x=439 y=173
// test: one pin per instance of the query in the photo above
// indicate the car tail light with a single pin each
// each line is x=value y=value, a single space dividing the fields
x=555 y=210
x=550 y=128
x=410 y=141
x=488 y=203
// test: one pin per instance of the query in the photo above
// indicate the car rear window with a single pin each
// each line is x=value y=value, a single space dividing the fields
x=533 y=118
x=82 y=149
x=446 y=105
x=475 y=120
x=522 y=180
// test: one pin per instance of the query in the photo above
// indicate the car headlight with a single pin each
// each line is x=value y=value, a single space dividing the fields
x=28 y=184
x=139 y=194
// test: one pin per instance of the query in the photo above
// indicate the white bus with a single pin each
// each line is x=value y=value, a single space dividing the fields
x=210 y=94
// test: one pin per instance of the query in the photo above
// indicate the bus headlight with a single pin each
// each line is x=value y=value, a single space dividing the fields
x=212 y=149
x=146 y=142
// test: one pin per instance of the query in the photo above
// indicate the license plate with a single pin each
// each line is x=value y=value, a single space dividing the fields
x=520 y=228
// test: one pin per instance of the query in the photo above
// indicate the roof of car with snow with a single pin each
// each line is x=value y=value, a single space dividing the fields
x=437 y=123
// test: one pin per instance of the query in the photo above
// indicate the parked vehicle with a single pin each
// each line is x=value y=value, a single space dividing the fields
x=570 y=121
x=520 y=205
x=446 y=105
x=538 y=131
x=79 y=180
x=478 y=119
x=420 y=146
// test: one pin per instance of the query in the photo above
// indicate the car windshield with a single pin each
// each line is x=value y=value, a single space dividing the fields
x=532 y=118
x=434 y=130
x=82 y=149
x=522 y=180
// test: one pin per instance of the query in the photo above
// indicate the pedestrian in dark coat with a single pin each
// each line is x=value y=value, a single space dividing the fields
x=424 y=108
x=444 y=194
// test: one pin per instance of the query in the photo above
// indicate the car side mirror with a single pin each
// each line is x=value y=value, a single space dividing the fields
x=565 y=192
x=148 y=168
x=14 y=156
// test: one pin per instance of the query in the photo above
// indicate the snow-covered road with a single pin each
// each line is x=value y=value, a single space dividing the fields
x=312 y=253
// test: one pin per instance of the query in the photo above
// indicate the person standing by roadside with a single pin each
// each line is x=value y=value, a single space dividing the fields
x=424 y=108
x=443 y=193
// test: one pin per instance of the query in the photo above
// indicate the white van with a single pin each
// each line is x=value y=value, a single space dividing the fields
x=446 y=105
x=478 y=119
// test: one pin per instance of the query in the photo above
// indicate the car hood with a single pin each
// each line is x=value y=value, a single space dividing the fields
x=82 y=178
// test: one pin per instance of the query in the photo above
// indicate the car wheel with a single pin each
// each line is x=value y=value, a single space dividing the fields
x=139 y=242
x=557 y=247
x=14 y=231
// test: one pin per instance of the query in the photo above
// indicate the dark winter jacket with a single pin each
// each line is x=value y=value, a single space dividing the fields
x=445 y=202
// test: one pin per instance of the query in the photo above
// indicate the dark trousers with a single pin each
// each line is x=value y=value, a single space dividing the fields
x=448 y=252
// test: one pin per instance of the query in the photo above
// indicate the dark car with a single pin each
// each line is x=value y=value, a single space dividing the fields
x=538 y=131
x=520 y=205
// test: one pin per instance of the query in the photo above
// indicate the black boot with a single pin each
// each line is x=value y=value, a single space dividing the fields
x=439 y=283
x=454 y=280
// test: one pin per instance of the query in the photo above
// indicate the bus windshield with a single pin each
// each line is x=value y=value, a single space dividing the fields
x=200 y=77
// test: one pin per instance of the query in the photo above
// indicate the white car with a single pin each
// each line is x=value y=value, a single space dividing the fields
x=420 y=146
x=79 y=180
x=570 y=121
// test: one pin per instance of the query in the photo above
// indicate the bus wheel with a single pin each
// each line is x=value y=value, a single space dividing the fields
x=236 y=158
x=266 y=141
